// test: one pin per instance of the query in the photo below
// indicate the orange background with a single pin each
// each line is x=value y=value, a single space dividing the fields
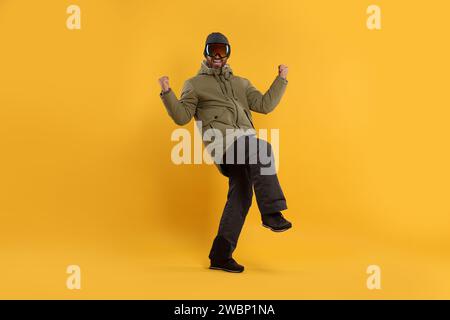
x=86 y=176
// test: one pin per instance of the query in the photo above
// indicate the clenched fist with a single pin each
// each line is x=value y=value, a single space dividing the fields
x=164 y=83
x=283 y=70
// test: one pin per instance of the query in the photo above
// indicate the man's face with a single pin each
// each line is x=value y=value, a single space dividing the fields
x=216 y=62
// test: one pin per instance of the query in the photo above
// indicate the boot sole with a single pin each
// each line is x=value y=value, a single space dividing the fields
x=276 y=230
x=223 y=269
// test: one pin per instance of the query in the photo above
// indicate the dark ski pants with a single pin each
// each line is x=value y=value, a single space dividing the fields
x=243 y=178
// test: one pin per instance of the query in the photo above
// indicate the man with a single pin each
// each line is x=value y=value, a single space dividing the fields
x=222 y=102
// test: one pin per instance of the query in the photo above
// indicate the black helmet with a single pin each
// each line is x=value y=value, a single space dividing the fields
x=216 y=37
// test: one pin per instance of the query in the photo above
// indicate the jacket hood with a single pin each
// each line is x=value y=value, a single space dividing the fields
x=226 y=70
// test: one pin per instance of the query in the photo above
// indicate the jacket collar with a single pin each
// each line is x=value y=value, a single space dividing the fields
x=226 y=70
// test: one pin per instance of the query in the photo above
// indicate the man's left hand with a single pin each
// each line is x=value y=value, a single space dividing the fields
x=283 y=70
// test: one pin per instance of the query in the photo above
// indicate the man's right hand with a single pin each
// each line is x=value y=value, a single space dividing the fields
x=164 y=83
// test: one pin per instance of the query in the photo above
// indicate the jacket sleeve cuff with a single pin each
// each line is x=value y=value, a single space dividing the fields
x=169 y=99
x=163 y=93
x=281 y=79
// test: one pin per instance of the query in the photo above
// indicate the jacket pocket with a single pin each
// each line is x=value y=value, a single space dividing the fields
x=211 y=117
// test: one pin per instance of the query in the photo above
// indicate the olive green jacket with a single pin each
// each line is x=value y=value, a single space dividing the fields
x=221 y=101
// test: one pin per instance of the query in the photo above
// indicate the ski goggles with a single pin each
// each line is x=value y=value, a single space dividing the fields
x=214 y=49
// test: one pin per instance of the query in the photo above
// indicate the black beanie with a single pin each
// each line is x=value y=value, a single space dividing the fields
x=216 y=37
